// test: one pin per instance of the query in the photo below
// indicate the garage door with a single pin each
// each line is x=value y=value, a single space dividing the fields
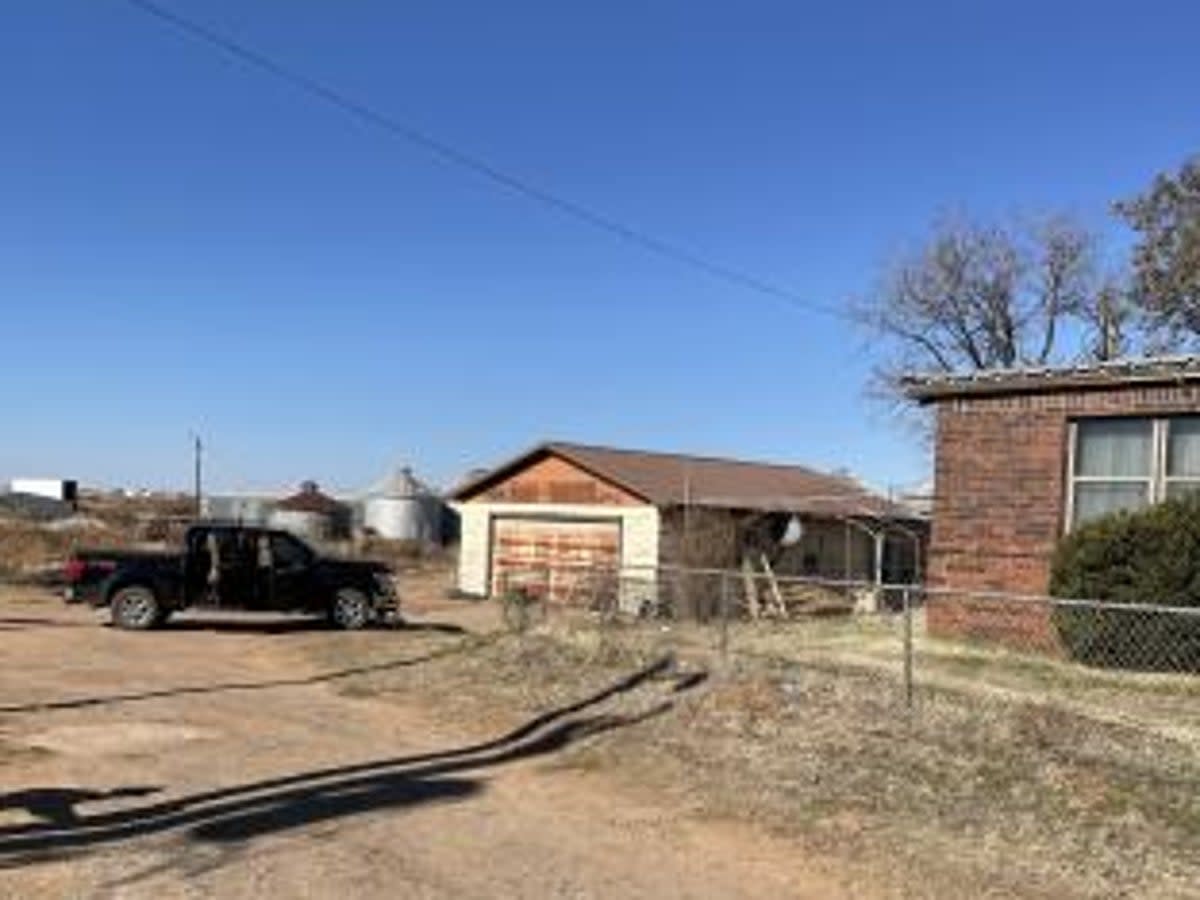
x=548 y=555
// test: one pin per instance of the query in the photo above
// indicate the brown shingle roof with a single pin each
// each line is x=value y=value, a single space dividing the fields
x=672 y=479
x=311 y=500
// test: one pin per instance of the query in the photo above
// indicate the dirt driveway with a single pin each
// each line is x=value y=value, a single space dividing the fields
x=212 y=759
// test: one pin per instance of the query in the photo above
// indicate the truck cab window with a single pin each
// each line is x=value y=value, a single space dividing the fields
x=288 y=553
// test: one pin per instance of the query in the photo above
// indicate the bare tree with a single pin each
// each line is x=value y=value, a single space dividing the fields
x=1166 y=256
x=1110 y=320
x=980 y=296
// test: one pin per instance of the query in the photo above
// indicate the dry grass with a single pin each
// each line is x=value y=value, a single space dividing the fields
x=130 y=513
x=1166 y=704
x=974 y=795
x=27 y=548
x=406 y=556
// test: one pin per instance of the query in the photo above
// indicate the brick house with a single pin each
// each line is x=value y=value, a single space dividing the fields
x=561 y=507
x=1022 y=456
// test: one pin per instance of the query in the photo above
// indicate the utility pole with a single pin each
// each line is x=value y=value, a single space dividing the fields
x=198 y=449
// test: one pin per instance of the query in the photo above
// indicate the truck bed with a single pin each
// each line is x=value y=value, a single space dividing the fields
x=87 y=569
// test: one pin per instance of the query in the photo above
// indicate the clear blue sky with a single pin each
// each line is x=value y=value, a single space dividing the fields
x=185 y=243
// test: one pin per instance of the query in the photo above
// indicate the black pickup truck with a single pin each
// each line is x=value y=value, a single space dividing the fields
x=226 y=566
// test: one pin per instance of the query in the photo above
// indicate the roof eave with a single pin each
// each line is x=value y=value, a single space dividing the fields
x=833 y=508
x=926 y=390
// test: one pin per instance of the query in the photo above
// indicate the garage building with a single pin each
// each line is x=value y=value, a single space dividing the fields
x=561 y=507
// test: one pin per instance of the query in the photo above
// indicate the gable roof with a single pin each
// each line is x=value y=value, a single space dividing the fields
x=673 y=479
x=310 y=499
x=1149 y=370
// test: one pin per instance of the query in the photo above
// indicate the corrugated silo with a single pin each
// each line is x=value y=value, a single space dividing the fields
x=402 y=508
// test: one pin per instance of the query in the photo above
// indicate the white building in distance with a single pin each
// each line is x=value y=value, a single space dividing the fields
x=62 y=489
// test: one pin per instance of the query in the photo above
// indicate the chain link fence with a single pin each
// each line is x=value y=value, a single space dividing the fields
x=912 y=637
x=1061 y=737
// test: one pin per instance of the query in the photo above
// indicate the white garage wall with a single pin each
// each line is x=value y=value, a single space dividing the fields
x=639 y=534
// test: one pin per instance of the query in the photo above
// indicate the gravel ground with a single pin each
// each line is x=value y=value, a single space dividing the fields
x=259 y=757
x=977 y=793
x=452 y=759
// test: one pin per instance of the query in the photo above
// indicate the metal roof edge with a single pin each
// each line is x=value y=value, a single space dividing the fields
x=931 y=388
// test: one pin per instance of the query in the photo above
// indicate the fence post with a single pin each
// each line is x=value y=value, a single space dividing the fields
x=908 y=649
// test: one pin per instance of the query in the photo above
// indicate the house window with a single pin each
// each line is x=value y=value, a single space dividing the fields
x=1127 y=464
x=1183 y=456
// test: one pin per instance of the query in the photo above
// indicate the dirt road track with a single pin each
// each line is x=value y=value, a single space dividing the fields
x=260 y=780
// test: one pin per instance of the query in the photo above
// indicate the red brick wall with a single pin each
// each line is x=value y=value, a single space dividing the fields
x=1000 y=491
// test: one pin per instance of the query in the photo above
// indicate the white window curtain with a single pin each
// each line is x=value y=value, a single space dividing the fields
x=1114 y=463
x=1183 y=455
x=1115 y=448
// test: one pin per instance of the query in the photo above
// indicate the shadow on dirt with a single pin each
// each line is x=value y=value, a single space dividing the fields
x=18 y=623
x=229 y=816
x=295 y=624
x=223 y=687
x=57 y=806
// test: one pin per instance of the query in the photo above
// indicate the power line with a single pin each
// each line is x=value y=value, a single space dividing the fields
x=450 y=154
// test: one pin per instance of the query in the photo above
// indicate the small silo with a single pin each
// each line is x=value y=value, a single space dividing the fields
x=311 y=514
x=401 y=508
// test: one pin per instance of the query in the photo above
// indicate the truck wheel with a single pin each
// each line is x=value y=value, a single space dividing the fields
x=351 y=609
x=136 y=608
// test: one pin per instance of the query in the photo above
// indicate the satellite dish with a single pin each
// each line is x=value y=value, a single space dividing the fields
x=794 y=532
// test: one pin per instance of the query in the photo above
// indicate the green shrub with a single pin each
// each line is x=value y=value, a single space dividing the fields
x=1145 y=558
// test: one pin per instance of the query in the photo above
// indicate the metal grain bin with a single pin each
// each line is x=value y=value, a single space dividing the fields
x=402 y=508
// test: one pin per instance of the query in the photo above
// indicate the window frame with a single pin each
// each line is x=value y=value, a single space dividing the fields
x=1157 y=482
x=1167 y=478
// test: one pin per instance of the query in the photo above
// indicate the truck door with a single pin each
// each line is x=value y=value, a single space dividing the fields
x=219 y=569
x=291 y=561
x=239 y=585
x=197 y=565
